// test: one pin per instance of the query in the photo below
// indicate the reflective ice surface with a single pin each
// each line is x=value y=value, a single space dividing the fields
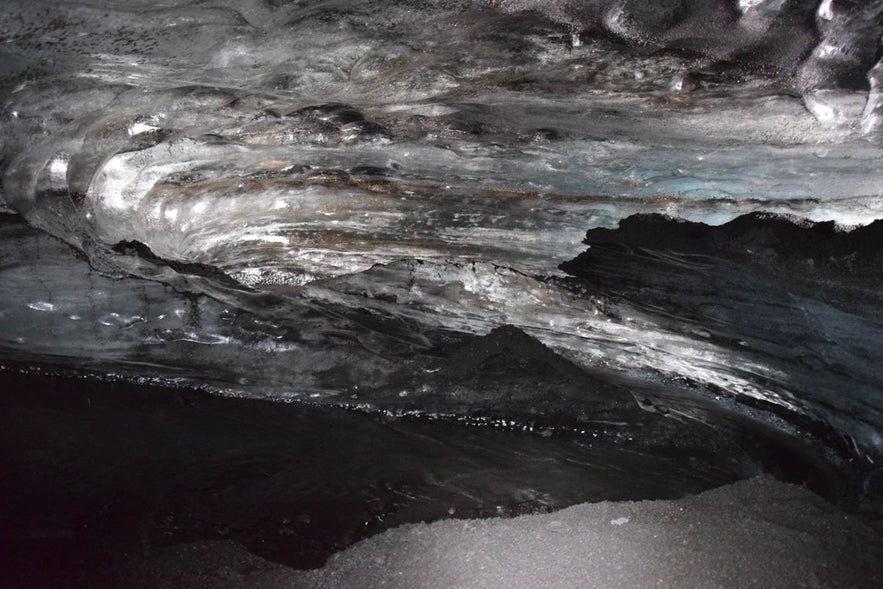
x=331 y=201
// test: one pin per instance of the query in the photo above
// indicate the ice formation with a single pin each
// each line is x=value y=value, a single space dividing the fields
x=384 y=207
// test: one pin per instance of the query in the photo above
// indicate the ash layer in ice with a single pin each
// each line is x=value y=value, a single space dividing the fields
x=765 y=287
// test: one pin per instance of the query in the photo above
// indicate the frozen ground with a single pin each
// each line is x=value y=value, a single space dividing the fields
x=756 y=533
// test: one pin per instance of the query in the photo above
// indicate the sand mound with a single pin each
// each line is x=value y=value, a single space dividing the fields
x=756 y=533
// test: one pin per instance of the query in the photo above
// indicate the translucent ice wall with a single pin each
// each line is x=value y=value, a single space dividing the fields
x=387 y=172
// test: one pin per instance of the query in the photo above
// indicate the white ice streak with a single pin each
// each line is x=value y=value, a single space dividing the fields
x=42 y=306
x=142 y=127
x=477 y=297
x=826 y=10
x=872 y=116
x=58 y=169
x=746 y=5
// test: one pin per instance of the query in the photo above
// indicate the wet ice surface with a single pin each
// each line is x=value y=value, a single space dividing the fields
x=365 y=205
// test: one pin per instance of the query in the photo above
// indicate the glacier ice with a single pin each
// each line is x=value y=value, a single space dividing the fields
x=384 y=207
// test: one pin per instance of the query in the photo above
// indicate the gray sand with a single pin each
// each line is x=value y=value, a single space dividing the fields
x=756 y=533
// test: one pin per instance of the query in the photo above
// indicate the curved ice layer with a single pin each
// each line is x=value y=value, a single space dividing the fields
x=357 y=185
